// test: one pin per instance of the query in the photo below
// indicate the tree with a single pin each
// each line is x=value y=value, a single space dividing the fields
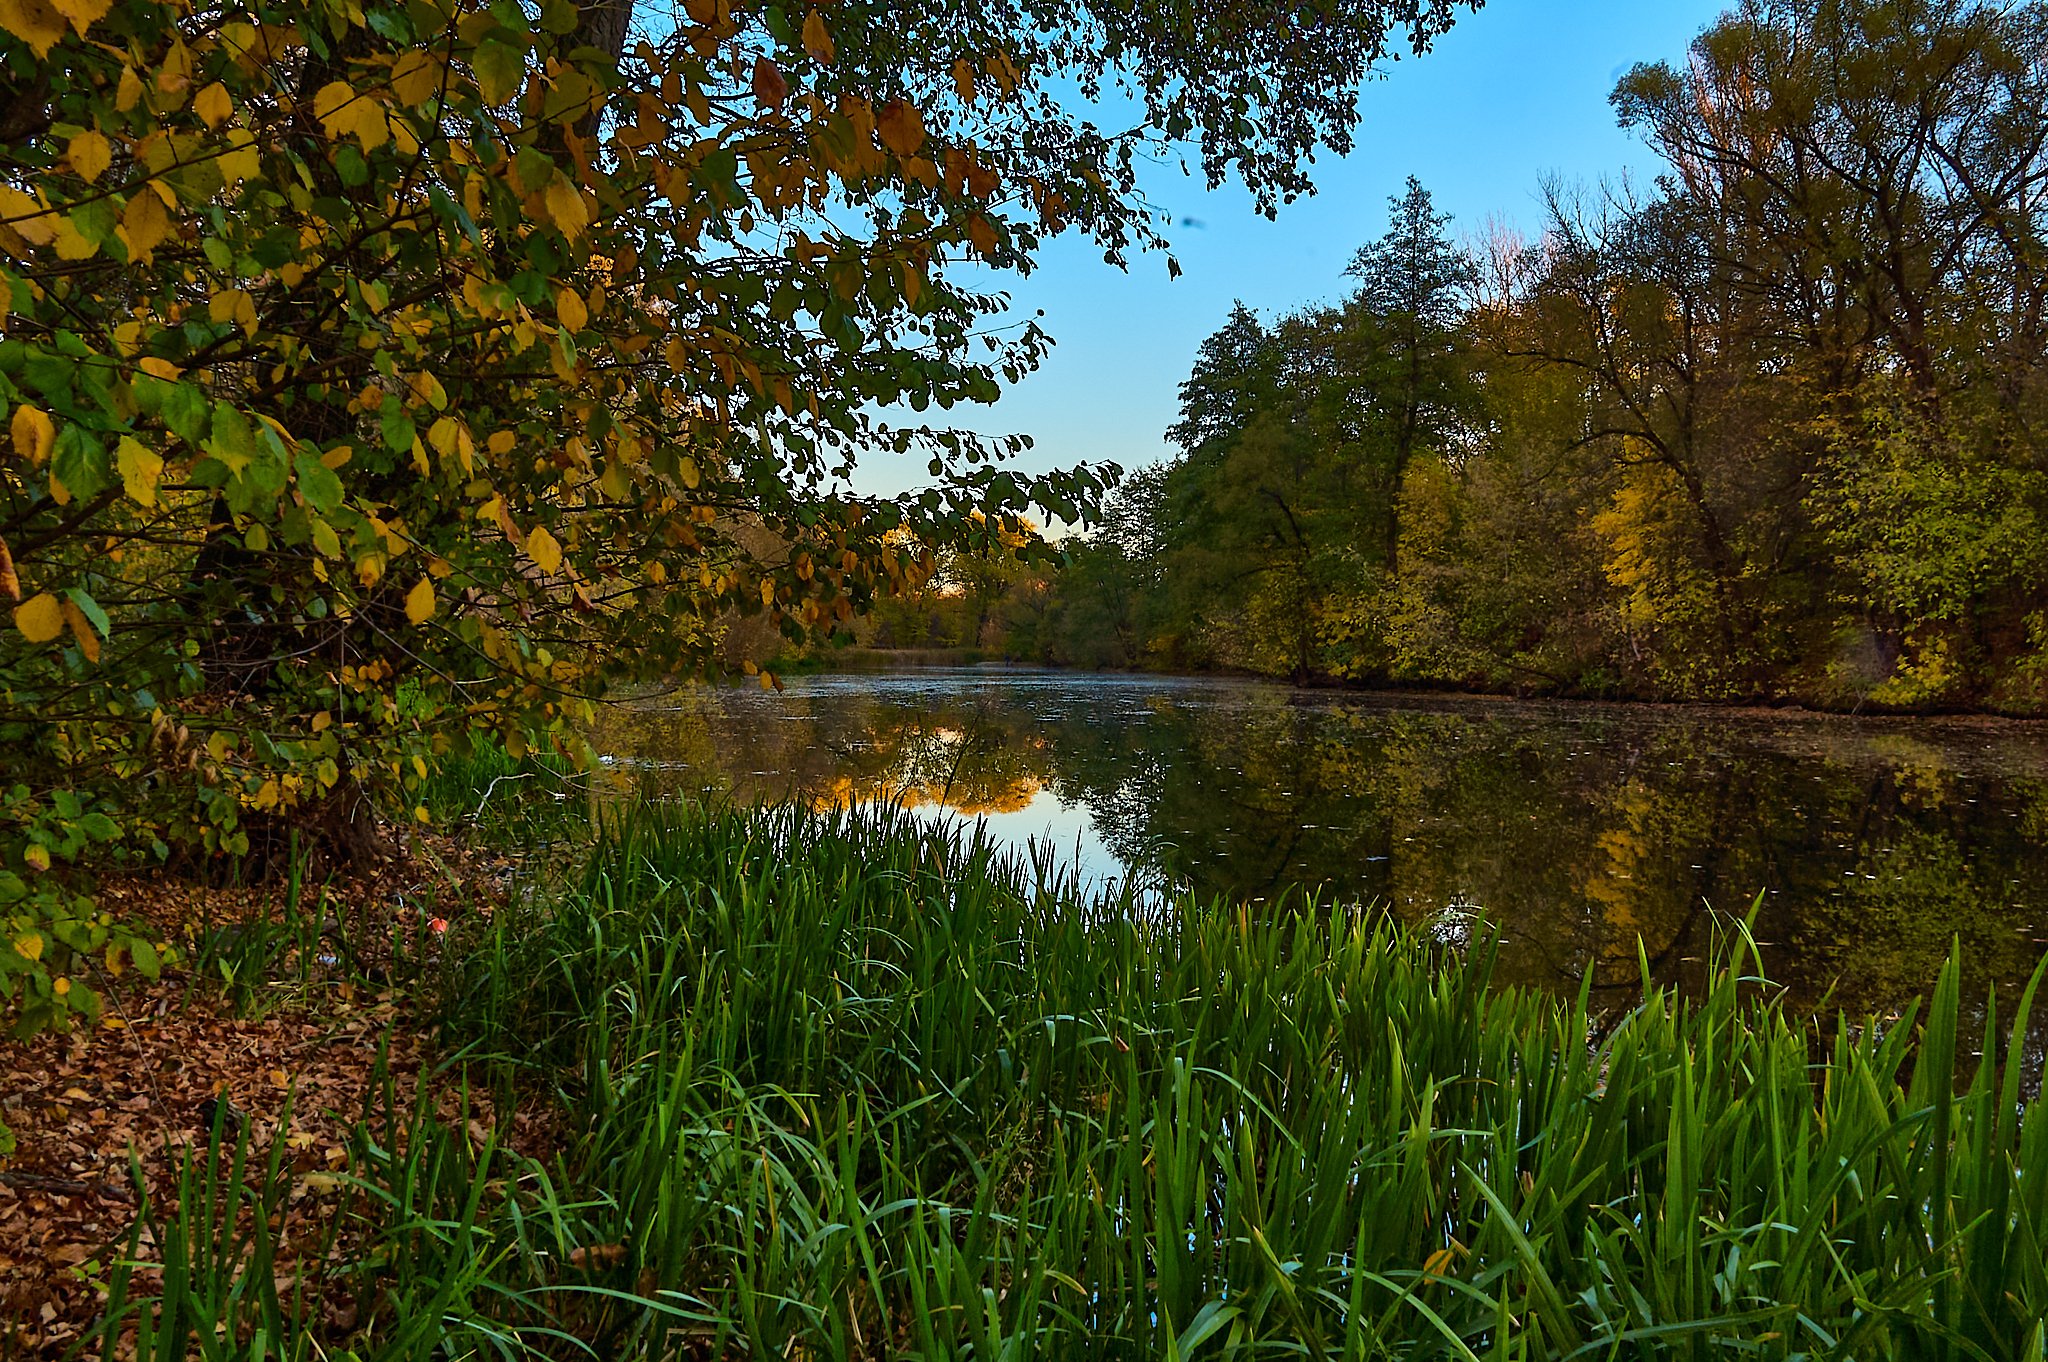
x=1874 y=170
x=1297 y=438
x=1408 y=345
x=382 y=379
x=1767 y=427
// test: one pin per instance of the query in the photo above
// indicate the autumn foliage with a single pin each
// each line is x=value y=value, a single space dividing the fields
x=381 y=379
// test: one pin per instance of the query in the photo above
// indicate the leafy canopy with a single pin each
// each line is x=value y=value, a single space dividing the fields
x=377 y=377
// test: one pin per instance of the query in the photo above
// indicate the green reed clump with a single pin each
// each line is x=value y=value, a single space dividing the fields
x=849 y=1085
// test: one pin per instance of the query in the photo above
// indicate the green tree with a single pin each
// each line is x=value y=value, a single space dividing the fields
x=1408 y=348
x=382 y=379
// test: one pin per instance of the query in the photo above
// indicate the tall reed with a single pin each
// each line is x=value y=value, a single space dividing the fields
x=851 y=1085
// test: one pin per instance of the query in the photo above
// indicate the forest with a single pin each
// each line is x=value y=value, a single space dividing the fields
x=394 y=392
x=1765 y=428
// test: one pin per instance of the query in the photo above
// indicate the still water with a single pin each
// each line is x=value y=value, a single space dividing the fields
x=1576 y=830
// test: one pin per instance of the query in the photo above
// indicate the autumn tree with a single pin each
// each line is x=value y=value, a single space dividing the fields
x=1768 y=425
x=382 y=379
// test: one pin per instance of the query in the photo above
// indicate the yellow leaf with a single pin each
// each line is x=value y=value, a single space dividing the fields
x=570 y=310
x=24 y=214
x=73 y=244
x=900 y=128
x=240 y=162
x=416 y=76
x=214 y=105
x=38 y=857
x=817 y=41
x=342 y=111
x=371 y=128
x=565 y=206
x=419 y=602
x=40 y=618
x=141 y=468
x=542 y=549
x=35 y=22
x=82 y=13
x=144 y=226
x=129 y=90
x=33 y=432
x=89 y=154
x=174 y=72
x=81 y=630
x=29 y=945
x=328 y=104
x=443 y=435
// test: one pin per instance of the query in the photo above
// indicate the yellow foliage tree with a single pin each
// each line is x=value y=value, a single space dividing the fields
x=382 y=378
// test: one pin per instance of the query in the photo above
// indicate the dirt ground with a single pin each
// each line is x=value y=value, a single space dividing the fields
x=296 y=1058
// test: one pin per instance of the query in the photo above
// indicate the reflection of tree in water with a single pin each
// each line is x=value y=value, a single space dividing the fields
x=1579 y=831
x=828 y=755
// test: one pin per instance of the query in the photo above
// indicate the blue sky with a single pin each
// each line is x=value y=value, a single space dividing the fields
x=1514 y=94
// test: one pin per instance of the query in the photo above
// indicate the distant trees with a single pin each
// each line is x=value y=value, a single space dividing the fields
x=1768 y=426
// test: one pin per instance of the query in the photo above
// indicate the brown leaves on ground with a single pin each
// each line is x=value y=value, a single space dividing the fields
x=148 y=1081
x=79 y=1104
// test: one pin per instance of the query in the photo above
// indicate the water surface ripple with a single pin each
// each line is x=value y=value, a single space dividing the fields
x=1579 y=829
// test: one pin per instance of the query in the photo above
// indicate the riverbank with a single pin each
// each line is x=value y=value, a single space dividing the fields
x=846 y=1085
x=1790 y=705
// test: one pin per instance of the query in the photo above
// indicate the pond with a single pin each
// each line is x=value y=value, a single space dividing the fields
x=1574 y=829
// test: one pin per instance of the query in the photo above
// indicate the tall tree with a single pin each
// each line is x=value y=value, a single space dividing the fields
x=1407 y=346
x=385 y=377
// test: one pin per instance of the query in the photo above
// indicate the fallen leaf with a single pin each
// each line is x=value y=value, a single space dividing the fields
x=597 y=1256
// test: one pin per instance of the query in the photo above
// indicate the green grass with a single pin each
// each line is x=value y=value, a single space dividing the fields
x=849 y=1086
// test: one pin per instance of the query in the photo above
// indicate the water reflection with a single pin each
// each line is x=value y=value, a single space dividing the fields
x=1579 y=829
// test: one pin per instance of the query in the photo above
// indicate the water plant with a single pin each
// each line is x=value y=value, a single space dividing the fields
x=857 y=1085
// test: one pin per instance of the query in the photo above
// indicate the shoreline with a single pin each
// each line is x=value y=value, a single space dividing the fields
x=1802 y=711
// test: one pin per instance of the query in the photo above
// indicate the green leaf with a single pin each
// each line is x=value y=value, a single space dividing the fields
x=317 y=483
x=398 y=428
x=232 y=442
x=90 y=608
x=499 y=70
x=184 y=411
x=81 y=463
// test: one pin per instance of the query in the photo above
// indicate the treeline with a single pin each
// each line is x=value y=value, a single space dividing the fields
x=1768 y=427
